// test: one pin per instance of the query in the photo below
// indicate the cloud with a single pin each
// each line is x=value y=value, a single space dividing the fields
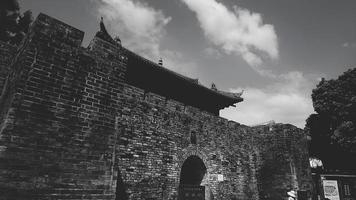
x=349 y=45
x=139 y=26
x=175 y=61
x=212 y=52
x=141 y=29
x=239 y=31
x=288 y=100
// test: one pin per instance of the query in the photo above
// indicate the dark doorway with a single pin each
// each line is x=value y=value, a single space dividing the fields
x=191 y=176
x=193 y=171
x=121 y=193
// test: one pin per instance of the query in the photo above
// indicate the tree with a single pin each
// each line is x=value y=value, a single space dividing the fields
x=13 y=25
x=333 y=127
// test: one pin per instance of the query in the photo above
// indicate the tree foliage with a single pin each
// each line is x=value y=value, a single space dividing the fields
x=13 y=25
x=333 y=127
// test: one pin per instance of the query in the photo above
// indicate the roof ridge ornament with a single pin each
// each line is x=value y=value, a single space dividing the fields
x=104 y=35
x=213 y=87
x=117 y=39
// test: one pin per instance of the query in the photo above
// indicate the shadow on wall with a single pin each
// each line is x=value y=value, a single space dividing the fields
x=121 y=193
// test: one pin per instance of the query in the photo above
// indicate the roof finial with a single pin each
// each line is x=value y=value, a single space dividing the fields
x=117 y=39
x=102 y=26
x=160 y=62
x=103 y=33
x=213 y=87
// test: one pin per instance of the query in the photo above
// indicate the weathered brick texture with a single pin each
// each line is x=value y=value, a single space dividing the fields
x=71 y=128
x=7 y=51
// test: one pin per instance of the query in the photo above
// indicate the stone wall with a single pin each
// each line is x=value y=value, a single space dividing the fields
x=71 y=128
x=58 y=121
x=6 y=53
x=284 y=162
x=155 y=142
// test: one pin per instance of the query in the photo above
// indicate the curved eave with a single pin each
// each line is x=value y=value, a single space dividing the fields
x=152 y=77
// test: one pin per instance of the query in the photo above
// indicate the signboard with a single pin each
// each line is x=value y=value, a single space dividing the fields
x=191 y=192
x=216 y=177
x=220 y=177
x=331 y=190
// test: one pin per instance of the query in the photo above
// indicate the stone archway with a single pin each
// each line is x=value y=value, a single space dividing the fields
x=193 y=172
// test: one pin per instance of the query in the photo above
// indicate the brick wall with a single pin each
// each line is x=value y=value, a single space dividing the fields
x=257 y=163
x=58 y=127
x=155 y=142
x=6 y=53
x=71 y=128
x=284 y=163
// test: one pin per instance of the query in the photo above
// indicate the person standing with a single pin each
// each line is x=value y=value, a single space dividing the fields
x=292 y=195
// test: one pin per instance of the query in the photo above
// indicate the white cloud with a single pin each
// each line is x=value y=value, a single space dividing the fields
x=346 y=44
x=175 y=61
x=240 y=31
x=349 y=45
x=141 y=29
x=286 y=101
x=212 y=52
x=139 y=26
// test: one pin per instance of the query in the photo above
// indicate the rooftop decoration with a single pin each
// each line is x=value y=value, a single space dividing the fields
x=104 y=35
x=213 y=87
x=152 y=77
x=149 y=76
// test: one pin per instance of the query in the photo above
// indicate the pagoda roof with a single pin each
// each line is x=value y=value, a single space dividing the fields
x=155 y=78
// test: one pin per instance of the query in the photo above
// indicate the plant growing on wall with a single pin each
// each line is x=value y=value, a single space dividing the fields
x=13 y=25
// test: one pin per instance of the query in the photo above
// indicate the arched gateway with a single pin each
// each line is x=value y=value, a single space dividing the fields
x=192 y=174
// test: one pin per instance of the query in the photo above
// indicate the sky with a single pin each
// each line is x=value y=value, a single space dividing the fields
x=275 y=51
